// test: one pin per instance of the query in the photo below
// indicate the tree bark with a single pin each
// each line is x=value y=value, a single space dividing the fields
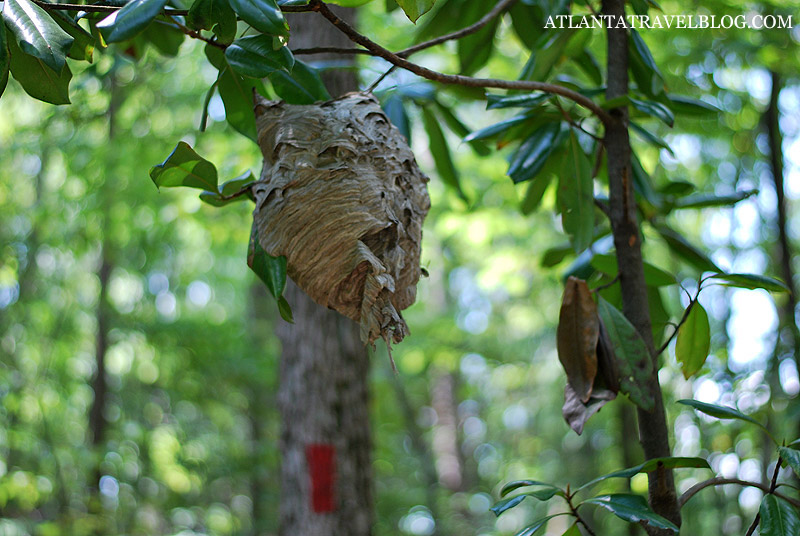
x=326 y=471
x=653 y=429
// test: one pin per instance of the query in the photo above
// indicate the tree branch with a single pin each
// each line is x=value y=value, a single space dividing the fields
x=718 y=481
x=467 y=81
x=496 y=11
x=95 y=8
x=104 y=8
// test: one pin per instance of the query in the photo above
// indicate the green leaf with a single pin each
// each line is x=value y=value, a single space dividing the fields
x=527 y=100
x=37 y=79
x=711 y=200
x=677 y=188
x=458 y=128
x=752 y=281
x=130 y=20
x=653 y=275
x=778 y=517
x=573 y=531
x=255 y=56
x=414 y=9
x=692 y=107
x=271 y=270
x=476 y=49
x=792 y=458
x=631 y=508
x=516 y=484
x=222 y=196
x=237 y=96
x=164 y=37
x=441 y=152
x=643 y=68
x=555 y=255
x=204 y=14
x=687 y=251
x=395 y=110
x=589 y=65
x=534 y=527
x=651 y=138
x=507 y=504
x=285 y=309
x=694 y=340
x=672 y=462
x=37 y=33
x=83 y=42
x=184 y=167
x=576 y=195
x=5 y=59
x=303 y=86
x=532 y=153
x=263 y=15
x=535 y=193
x=630 y=354
x=720 y=412
x=543 y=59
x=655 y=109
x=497 y=128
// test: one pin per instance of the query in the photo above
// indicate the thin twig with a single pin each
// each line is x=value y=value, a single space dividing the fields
x=603 y=206
x=753 y=526
x=598 y=162
x=380 y=79
x=575 y=513
x=331 y=50
x=571 y=122
x=718 y=481
x=692 y=301
x=603 y=287
x=458 y=34
x=196 y=35
x=773 y=484
x=467 y=81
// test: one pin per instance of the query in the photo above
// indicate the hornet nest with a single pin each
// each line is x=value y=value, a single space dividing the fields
x=341 y=196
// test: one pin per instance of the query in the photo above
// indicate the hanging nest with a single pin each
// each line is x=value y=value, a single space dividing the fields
x=341 y=196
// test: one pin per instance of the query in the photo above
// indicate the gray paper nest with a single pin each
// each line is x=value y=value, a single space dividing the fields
x=341 y=196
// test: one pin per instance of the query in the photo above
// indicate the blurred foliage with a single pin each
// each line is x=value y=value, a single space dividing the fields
x=191 y=443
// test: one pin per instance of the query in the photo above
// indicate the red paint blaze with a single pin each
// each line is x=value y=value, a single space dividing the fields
x=321 y=460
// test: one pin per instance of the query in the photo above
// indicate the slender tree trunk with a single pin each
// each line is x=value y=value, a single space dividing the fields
x=653 y=429
x=326 y=471
x=423 y=454
x=98 y=424
x=784 y=253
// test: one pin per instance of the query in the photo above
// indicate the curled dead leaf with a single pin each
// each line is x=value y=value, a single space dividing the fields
x=577 y=337
x=576 y=412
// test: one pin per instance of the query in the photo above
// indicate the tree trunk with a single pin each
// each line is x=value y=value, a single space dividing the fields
x=653 y=429
x=326 y=471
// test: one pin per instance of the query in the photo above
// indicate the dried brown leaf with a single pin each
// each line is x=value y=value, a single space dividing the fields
x=577 y=336
x=576 y=412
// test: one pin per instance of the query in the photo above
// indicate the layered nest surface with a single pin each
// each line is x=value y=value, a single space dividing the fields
x=342 y=197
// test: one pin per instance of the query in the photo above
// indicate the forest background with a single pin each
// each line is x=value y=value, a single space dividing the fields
x=92 y=254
